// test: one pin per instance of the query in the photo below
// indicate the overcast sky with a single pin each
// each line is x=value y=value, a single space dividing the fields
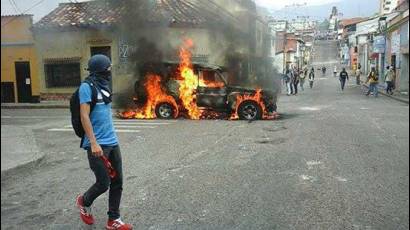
x=42 y=7
x=277 y=4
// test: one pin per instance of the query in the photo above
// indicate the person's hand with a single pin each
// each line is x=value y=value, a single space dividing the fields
x=96 y=150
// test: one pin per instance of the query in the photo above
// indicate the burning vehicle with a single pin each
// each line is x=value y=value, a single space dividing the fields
x=197 y=91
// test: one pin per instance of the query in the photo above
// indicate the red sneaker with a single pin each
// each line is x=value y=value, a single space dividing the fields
x=85 y=212
x=117 y=225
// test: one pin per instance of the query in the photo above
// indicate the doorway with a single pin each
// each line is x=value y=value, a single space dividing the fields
x=23 y=80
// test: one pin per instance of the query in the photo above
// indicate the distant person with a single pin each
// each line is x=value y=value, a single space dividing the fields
x=358 y=73
x=389 y=79
x=311 y=77
x=324 y=70
x=288 y=80
x=302 y=78
x=335 y=71
x=295 y=81
x=373 y=81
x=343 y=76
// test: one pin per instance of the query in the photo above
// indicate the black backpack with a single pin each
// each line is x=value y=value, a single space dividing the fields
x=75 y=108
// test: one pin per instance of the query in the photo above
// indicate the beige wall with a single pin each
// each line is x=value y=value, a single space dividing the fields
x=70 y=44
x=17 y=46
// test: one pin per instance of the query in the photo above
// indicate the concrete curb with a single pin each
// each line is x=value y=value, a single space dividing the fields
x=23 y=167
x=388 y=95
x=34 y=106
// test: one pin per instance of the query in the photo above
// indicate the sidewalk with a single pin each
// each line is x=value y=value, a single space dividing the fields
x=41 y=105
x=14 y=156
x=398 y=96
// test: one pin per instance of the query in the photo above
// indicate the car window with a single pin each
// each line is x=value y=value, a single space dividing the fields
x=209 y=78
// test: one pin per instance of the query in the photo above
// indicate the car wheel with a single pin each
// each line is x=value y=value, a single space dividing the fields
x=165 y=110
x=249 y=110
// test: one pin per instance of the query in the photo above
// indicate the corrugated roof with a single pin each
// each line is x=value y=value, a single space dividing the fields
x=100 y=13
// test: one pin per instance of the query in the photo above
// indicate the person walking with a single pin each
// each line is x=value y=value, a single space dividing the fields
x=389 y=79
x=295 y=81
x=302 y=78
x=288 y=82
x=311 y=77
x=324 y=70
x=373 y=81
x=335 y=71
x=101 y=143
x=358 y=73
x=343 y=76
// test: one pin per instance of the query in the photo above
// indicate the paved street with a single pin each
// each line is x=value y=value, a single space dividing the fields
x=335 y=160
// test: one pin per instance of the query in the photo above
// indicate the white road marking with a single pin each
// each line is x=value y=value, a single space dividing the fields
x=341 y=179
x=312 y=163
x=145 y=121
x=140 y=123
x=127 y=131
x=305 y=177
x=118 y=131
x=125 y=126
x=32 y=117
x=310 y=108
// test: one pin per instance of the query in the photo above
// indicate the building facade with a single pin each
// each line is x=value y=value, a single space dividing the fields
x=65 y=46
x=387 y=6
x=19 y=67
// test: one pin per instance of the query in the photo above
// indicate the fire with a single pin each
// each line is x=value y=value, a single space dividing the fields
x=155 y=95
x=190 y=81
x=187 y=93
x=257 y=97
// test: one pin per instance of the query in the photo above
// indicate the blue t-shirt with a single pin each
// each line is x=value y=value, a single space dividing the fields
x=101 y=119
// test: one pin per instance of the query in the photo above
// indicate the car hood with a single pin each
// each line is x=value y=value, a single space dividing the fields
x=250 y=90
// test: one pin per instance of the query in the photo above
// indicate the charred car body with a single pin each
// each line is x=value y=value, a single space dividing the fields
x=212 y=94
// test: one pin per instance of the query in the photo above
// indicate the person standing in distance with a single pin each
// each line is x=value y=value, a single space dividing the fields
x=311 y=77
x=100 y=140
x=343 y=76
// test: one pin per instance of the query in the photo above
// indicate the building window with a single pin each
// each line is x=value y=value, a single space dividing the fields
x=62 y=74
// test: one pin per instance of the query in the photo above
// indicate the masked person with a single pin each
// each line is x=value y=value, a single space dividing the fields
x=100 y=140
x=343 y=76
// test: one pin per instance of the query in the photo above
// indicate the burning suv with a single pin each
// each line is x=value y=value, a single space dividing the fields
x=198 y=91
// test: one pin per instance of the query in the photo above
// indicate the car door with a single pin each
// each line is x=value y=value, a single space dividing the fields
x=211 y=90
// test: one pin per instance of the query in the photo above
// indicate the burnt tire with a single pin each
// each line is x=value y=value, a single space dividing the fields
x=165 y=110
x=249 y=110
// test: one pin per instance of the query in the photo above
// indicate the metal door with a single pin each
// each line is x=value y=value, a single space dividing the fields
x=23 y=80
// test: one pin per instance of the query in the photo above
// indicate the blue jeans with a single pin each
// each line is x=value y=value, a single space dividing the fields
x=373 y=88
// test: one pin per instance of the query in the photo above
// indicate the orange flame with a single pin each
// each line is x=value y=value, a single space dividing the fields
x=257 y=97
x=189 y=83
x=155 y=95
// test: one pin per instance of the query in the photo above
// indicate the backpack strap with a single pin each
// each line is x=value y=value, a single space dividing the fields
x=94 y=95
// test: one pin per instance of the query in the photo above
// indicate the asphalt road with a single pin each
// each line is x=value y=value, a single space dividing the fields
x=335 y=160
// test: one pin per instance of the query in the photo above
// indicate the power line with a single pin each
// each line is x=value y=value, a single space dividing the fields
x=13 y=4
x=30 y=8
